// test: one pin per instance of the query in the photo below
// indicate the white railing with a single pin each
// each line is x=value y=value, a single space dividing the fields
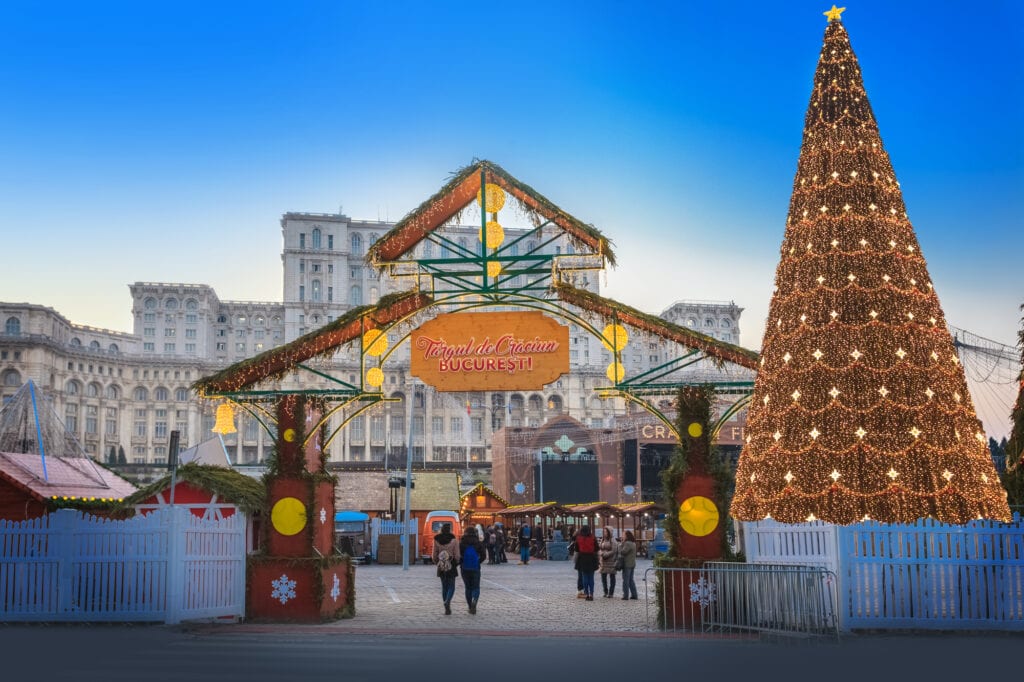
x=165 y=566
x=927 y=575
x=380 y=527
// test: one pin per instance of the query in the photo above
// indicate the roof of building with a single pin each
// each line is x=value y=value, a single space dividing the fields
x=368 y=491
x=73 y=478
x=246 y=492
x=480 y=488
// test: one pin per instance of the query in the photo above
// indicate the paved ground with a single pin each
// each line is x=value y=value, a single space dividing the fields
x=538 y=596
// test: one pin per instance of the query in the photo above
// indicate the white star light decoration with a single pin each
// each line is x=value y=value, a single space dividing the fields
x=323 y=516
x=336 y=588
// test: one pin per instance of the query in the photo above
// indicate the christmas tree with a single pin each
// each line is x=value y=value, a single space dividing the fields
x=860 y=407
x=1013 y=479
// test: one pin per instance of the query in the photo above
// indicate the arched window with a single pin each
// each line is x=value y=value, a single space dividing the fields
x=355 y=296
x=464 y=243
x=12 y=378
x=374 y=294
x=141 y=394
x=171 y=304
x=92 y=390
x=12 y=327
x=316 y=237
x=428 y=250
x=73 y=387
x=191 y=304
x=536 y=403
x=149 y=303
x=317 y=295
x=531 y=246
x=113 y=392
x=259 y=320
x=726 y=324
x=709 y=322
x=181 y=395
x=76 y=341
x=94 y=345
x=555 y=403
x=276 y=321
x=373 y=238
x=357 y=245
x=161 y=394
x=113 y=348
x=222 y=319
x=692 y=322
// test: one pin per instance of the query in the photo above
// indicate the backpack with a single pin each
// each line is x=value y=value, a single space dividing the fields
x=585 y=544
x=492 y=539
x=526 y=532
x=444 y=562
x=470 y=559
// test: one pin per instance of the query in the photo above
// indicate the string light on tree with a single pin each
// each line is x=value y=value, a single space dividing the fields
x=860 y=401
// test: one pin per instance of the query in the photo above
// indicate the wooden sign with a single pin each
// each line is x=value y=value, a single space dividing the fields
x=490 y=351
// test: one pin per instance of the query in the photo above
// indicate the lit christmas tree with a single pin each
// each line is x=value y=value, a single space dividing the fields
x=860 y=407
x=1014 y=477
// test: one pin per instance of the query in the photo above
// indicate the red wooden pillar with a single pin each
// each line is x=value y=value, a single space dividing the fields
x=299 y=578
x=700 y=533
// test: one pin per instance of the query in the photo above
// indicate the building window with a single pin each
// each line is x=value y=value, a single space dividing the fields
x=191 y=318
x=316 y=237
x=12 y=378
x=356 y=273
x=330 y=294
x=240 y=347
x=358 y=429
x=141 y=394
x=377 y=428
x=161 y=394
x=428 y=250
x=316 y=291
x=13 y=326
x=71 y=417
x=168 y=347
x=140 y=429
x=190 y=333
x=149 y=304
x=222 y=345
x=477 y=424
x=73 y=388
x=302 y=240
x=456 y=426
x=149 y=346
x=181 y=394
x=709 y=322
x=356 y=295
x=302 y=265
x=330 y=268
x=357 y=245
x=170 y=332
x=113 y=392
x=373 y=294
x=302 y=292
x=437 y=425
x=149 y=331
x=149 y=317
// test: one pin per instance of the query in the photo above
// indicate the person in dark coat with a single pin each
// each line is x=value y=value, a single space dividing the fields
x=446 y=542
x=473 y=553
x=586 y=560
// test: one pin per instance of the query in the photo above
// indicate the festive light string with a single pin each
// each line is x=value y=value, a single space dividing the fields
x=860 y=407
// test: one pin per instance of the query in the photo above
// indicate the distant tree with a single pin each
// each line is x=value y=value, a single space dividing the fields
x=998 y=451
x=121 y=459
x=112 y=455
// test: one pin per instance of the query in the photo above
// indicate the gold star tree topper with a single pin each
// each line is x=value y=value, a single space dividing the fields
x=833 y=14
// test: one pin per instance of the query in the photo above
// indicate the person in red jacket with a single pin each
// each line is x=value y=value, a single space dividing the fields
x=586 y=560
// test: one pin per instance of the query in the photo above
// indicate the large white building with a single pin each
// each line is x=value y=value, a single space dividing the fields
x=128 y=391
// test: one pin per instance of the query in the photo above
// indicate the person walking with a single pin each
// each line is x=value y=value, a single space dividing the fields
x=627 y=550
x=445 y=556
x=472 y=551
x=609 y=552
x=524 y=543
x=586 y=560
x=492 y=545
x=499 y=543
x=576 y=566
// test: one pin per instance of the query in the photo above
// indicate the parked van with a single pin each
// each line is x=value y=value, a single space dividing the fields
x=432 y=526
x=352 y=534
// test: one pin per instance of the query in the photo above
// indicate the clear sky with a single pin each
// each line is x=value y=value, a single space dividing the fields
x=162 y=141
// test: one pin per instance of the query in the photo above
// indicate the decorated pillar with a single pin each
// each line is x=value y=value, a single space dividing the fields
x=299 y=578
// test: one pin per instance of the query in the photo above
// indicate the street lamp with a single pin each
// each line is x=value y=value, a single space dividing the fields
x=408 y=478
x=540 y=457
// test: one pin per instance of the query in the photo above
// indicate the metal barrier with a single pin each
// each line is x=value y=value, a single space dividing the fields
x=728 y=597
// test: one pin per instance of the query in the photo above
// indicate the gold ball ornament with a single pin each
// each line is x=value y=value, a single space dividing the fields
x=698 y=516
x=375 y=342
x=495 y=198
x=495 y=234
x=493 y=269
x=288 y=435
x=615 y=372
x=695 y=430
x=374 y=376
x=614 y=337
x=288 y=516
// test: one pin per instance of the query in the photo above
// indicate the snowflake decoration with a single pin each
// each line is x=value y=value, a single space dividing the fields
x=284 y=589
x=703 y=592
x=336 y=589
x=323 y=516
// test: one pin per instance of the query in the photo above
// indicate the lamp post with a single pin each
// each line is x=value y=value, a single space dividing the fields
x=540 y=457
x=408 y=478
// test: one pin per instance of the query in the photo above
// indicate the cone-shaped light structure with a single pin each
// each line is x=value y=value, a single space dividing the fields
x=860 y=407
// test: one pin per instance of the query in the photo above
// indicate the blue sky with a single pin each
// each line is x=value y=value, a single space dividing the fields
x=162 y=142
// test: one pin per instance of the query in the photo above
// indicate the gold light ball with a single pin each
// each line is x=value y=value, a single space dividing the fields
x=695 y=430
x=375 y=342
x=615 y=372
x=698 y=516
x=614 y=337
x=495 y=234
x=493 y=269
x=374 y=376
x=495 y=198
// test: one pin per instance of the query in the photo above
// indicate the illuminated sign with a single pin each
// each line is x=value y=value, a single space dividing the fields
x=490 y=351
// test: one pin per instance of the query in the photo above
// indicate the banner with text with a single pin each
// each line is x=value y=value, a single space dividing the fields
x=490 y=351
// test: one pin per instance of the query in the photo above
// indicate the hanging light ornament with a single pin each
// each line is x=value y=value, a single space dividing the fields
x=495 y=234
x=375 y=342
x=495 y=198
x=493 y=269
x=225 y=420
x=374 y=377
x=614 y=337
x=615 y=372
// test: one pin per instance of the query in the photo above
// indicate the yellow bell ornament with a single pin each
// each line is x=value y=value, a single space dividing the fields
x=225 y=419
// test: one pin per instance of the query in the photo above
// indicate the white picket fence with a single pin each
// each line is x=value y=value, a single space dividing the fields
x=927 y=575
x=165 y=566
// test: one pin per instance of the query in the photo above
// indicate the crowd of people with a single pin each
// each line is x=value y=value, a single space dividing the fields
x=590 y=554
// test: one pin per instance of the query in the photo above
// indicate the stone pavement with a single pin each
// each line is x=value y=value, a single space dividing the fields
x=540 y=596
